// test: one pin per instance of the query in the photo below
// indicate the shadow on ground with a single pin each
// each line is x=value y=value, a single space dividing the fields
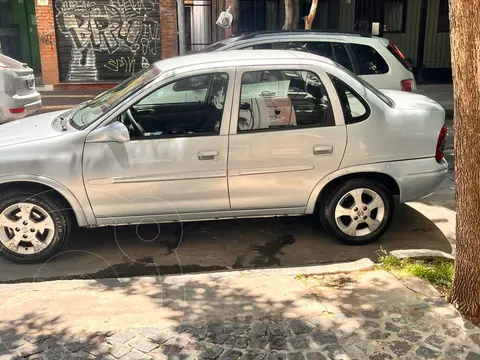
x=366 y=315
x=218 y=245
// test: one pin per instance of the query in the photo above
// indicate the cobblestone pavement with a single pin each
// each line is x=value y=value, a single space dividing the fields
x=431 y=329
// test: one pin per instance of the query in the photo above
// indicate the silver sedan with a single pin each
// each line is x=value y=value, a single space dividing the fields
x=18 y=97
x=206 y=136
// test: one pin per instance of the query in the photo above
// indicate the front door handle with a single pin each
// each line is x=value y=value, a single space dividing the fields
x=208 y=155
x=320 y=150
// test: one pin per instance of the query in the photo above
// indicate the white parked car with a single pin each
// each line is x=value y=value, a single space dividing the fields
x=377 y=60
x=18 y=97
x=211 y=136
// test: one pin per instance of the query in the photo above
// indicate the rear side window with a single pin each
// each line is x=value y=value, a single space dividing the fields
x=355 y=109
x=283 y=100
x=332 y=50
x=369 y=61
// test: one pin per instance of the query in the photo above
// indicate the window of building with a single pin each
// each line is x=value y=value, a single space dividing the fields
x=283 y=100
x=369 y=61
x=192 y=106
x=395 y=12
x=443 y=24
x=354 y=107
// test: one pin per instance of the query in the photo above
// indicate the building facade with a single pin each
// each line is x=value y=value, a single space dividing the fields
x=73 y=43
x=102 y=42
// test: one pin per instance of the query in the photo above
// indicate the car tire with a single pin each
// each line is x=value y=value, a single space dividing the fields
x=38 y=224
x=357 y=212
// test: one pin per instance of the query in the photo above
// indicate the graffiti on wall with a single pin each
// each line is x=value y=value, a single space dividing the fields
x=107 y=39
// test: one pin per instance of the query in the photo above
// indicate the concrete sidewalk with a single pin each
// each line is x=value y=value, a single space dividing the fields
x=235 y=315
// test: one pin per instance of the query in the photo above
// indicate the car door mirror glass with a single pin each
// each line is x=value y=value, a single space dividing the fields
x=114 y=132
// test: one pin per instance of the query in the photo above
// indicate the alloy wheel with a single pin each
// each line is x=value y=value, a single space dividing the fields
x=26 y=228
x=359 y=212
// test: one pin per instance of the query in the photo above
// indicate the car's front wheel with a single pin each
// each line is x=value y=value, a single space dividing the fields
x=358 y=211
x=33 y=226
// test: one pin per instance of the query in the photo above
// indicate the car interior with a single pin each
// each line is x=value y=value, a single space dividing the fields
x=188 y=107
x=193 y=106
x=279 y=99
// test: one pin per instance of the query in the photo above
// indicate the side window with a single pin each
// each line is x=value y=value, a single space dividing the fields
x=354 y=107
x=369 y=61
x=189 y=90
x=262 y=47
x=283 y=100
x=317 y=48
x=192 y=106
x=321 y=49
x=341 y=55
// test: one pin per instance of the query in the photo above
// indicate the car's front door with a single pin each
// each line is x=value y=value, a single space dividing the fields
x=176 y=159
x=284 y=138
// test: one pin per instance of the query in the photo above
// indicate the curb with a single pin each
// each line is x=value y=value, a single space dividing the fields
x=44 y=88
x=421 y=253
x=359 y=265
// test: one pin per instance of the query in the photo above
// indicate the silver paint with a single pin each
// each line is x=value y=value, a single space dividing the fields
x=109 y=182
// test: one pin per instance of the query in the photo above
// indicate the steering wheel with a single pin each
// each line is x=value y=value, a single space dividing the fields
x=138 y=128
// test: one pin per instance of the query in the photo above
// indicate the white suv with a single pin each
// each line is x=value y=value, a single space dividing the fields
x=375 y=59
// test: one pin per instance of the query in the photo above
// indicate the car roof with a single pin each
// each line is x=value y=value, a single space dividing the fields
x=236 y=58
x=274 y=33
x=292 y=35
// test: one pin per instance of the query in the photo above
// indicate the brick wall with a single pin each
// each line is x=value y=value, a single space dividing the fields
x=168 y=23
x=48 y=41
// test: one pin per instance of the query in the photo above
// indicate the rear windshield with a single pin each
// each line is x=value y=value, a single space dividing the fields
x=377 y=92
x=14 y=64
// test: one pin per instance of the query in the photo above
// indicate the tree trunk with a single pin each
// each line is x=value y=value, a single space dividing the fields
x=465 y=49
x=235 y=11
x=311 y=15
x=292 y=15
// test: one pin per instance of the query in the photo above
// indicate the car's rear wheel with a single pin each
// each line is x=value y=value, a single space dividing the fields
x=33 y=226
x=358 y=211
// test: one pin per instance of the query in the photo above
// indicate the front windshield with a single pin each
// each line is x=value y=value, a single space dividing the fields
x=91 y=111
x=374 y=90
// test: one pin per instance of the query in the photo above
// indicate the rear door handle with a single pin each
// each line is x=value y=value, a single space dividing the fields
x=208 y=155
x=320 y=150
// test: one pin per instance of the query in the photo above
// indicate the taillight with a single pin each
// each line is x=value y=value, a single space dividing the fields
x=441 y=144
x=17 y=110
x=407 y=85
x=3 y=66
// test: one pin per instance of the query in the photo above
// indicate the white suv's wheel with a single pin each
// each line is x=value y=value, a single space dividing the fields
x=358 y=211
x=33 y=227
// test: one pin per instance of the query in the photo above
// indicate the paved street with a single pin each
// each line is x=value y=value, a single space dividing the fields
x=219 y=245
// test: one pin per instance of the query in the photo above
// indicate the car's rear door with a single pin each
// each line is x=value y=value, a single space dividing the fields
x=283 y=141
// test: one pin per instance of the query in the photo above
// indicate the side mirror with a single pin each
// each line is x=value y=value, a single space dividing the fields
x=116 y=132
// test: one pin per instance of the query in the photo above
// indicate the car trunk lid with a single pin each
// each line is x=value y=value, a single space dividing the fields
x=412 y=101
x=24 y=81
